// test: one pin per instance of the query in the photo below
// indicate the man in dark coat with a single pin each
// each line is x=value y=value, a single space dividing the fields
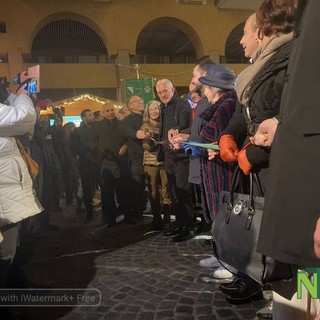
x=87 y=166
x=175 y=114
x=131 y=127
x=108 y=137
x=51 y=170
x=289 y=230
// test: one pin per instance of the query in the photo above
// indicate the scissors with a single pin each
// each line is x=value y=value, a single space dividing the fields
x=152 y=140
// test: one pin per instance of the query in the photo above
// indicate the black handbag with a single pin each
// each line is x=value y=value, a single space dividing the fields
x=236 y=231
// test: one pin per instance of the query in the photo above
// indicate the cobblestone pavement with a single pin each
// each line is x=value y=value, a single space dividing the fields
x=140 y=274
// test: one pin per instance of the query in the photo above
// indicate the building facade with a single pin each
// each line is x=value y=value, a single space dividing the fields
x=91 y=46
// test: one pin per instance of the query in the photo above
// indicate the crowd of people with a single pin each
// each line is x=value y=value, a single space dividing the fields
x=144 y=147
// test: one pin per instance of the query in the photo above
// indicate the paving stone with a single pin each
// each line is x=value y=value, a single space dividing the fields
x=145 y=316
x=184 y=309
x=112 y=316
x=205 y=295
x=133 y=309
x=183 y=317
x=219 y=304
x=165 y=314
x=204 y=310
x=207 y=317
x=150 y=306
x=125 y=289
x=168 y=305
x=94 y=316
x=205 y=301
x=120 y=296
x=128 y=316
x=188 y=301
x=168 y=286
x=120 y=307
x=138 y=302
x=225 y=313
x=247 y=314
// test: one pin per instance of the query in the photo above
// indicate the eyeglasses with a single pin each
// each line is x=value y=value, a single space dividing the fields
x=156 y=108
x=164 y=91
x=137 y=100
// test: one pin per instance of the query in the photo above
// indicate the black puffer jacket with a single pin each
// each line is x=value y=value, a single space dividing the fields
x=264 y=103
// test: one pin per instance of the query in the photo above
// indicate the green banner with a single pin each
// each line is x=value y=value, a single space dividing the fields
x=139 y=87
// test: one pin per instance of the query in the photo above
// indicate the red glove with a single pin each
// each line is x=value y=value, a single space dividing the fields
x=228 y=148
x=243 y=162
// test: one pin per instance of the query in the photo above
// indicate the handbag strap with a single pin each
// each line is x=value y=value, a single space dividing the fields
x=235 y=182
x=257 y=182
x=20 y=146
x=253 y=180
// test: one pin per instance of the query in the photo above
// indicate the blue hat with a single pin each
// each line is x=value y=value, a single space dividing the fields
x=219 y=76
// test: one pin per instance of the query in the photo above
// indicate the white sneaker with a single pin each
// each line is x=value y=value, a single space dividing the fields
x=211 y=262
x=222 y=273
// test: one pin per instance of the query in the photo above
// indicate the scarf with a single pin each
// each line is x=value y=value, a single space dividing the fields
x=267 y=50
x=152 y=126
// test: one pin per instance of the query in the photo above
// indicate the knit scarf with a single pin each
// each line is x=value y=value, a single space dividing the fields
x=267 y=50
x=153 y=126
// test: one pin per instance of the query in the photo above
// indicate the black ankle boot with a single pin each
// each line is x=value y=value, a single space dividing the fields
x=242 y=291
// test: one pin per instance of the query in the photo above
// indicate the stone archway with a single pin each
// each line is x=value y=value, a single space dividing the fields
x=68 y=38
x=169 y=37
x=233 y=50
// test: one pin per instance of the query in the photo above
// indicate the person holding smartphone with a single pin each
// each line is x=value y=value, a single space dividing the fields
x=17 y=198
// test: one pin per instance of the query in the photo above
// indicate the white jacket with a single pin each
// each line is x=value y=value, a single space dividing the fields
x=17 y=198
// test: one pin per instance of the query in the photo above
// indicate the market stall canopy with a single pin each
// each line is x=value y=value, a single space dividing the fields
x=73 y=106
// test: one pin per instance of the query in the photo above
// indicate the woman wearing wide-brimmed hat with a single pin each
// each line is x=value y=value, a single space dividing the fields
x=216 y=175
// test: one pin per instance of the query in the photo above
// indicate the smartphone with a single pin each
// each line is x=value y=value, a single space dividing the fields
x=30 y=79
x=32 y=86
x=16 y=80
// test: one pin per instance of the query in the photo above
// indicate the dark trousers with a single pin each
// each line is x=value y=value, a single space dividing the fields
x=111 y=186
x=137 y=186
x=88 y=183
x=50 y=189
x=50 y=193
x=8 y=249
x=177 y=172
x=68 y=186
x=71 y=183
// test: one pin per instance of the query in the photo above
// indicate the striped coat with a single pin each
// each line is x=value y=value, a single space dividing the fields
x=216 y=175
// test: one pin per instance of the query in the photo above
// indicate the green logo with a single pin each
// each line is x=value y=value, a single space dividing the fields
x=310 y=279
